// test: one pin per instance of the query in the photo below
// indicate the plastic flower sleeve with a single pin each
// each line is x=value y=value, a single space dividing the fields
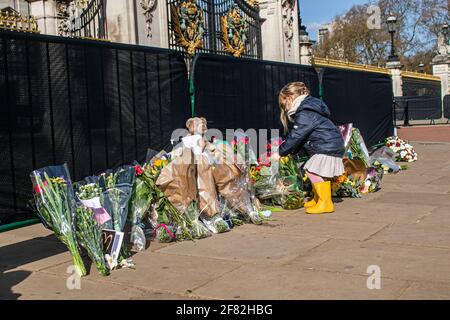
x=55 y=202
x=385 y=157
x=89 y=234
x=91 y=194
x=139 y=206
x=118 y=185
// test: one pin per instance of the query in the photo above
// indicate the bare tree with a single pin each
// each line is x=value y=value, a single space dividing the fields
x=419 y=23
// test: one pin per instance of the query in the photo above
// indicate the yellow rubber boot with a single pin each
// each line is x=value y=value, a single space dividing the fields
x=325 y=203
x=313 y=201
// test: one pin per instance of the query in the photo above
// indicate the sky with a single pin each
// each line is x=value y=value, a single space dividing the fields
x=317 y=12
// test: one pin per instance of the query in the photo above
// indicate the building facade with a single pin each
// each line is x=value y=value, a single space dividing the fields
x=267 y=29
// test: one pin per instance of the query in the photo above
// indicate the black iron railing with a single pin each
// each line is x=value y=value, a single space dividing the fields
x=91 y=23
x=227 y=27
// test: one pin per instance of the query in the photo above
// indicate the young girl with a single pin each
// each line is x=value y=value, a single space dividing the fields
x=311 y=129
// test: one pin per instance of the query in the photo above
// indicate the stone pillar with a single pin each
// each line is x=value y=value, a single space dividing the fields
x=441 y=68
x=45 y=12
x=152 y=23
x=396 y=74
x=120 y=21
x=279 y=31
x=305 y=48
x=397 y=82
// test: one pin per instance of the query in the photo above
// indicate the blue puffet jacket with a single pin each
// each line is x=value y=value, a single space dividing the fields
x=313 y=130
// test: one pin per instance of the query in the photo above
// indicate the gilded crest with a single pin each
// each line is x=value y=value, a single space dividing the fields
x=253 y=3
x=187 y=26
x=234 y=32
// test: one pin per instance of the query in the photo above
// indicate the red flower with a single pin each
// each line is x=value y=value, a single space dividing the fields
x=269 y=146
x=139 y=170
x=38 y=189
x=234 y=142
x=258 y=168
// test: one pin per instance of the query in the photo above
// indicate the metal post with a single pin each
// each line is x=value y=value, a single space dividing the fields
x=212 y=26
x=406 y=120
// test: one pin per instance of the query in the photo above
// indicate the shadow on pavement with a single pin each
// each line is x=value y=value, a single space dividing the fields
x=9 y=280
x=24 y=252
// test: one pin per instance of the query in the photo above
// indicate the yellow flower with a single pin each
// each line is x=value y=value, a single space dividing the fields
x=284 y=160
x=158 y=163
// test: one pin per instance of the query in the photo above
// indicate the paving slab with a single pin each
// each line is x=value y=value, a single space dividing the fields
x=414 y=189
x=438 y=217
x=252 y=244
x=293 y=282
x=426 y=291
x=32 y=254
x=430 y=199
x=21 y=284
x=419 y=234
x=325 y=226
x=178 y=274
x=380 y=212
x=401 y=262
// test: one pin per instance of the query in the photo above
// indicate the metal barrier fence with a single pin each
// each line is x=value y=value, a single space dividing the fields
x=94 y=105
x=447 y=107
x=418 y=108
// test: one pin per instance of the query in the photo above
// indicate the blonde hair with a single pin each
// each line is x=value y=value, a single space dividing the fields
x=291 y=90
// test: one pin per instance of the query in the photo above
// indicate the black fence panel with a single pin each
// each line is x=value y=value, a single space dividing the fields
x=243 y=93
x=418 y=108
x=362 y=98
x=420 y=87
x=447 y=106
x=94 y=105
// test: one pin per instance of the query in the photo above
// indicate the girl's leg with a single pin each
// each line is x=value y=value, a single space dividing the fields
x=314 y=178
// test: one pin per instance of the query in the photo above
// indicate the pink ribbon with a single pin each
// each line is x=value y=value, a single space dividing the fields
x=162 y=225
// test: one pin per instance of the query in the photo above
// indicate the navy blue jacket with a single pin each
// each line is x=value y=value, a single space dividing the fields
x=313 y=130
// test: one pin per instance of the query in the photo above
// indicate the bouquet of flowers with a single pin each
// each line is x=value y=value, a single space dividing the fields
x=344 y=186
x=215 y=224
x=405 y=152
x=89 y=234
x=198 y=230
x=140 y=203
x=278 y=183
x=373 y=180
x=167 y=219
x=90 y=194
x=117 y=186
x=54 y=201
x=358 y=148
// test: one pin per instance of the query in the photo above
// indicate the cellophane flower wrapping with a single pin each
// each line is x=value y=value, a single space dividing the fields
x=346 y=132
x=117 y=187
x=278 y=183
x=385 y=158
x=197 y=229
x=89 y=235
x=55 y=203
x=405 y=151
x=232 y=183
x=358 y=148
x=140 y=203
x=215 y=224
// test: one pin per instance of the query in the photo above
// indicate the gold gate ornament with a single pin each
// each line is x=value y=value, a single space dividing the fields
x=234 y=32
x=187 y=26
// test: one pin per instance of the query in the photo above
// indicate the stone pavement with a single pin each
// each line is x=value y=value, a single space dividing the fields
x=404 y=229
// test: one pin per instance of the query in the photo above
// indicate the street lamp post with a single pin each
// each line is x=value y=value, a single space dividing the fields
x=445 y=32
x=391 y=23
x=421 y=68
